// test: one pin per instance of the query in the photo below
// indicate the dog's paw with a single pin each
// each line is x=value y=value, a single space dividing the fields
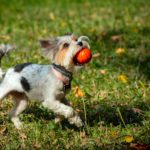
x=76 y=120
x=58 y=119
x=17 y=122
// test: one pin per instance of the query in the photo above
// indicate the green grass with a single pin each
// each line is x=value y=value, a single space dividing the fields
x=111 y=109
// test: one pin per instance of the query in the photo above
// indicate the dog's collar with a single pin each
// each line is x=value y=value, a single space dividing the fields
x=62 y=74
x=63 y=71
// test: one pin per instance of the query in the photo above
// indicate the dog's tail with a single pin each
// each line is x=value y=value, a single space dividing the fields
x=4 y=49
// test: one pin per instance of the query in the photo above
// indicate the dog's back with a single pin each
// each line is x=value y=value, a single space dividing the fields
x=47 y=83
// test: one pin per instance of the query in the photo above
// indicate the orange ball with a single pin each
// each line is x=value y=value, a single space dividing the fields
x=83 y=56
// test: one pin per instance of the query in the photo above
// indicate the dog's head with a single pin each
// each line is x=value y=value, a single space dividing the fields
x=62 y=50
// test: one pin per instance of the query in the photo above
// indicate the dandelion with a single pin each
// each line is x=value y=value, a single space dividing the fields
x=63 y=24
x=114 y=134
x=128 y=138
x=120 y=51
x=122 y=78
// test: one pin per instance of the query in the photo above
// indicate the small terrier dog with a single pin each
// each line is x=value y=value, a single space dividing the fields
x=45 y=83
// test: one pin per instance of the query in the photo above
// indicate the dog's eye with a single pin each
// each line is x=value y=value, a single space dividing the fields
x=66 y=45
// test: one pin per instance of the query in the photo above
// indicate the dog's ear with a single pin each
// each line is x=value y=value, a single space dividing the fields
x=49 y=47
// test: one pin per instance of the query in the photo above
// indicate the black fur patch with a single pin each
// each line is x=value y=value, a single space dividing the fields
x=3 y=76
x=25 y=84
x=18 y=68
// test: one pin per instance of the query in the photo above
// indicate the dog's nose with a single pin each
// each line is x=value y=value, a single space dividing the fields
x=80 y=43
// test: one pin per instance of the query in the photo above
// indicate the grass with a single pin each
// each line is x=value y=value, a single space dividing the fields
x=116 y=85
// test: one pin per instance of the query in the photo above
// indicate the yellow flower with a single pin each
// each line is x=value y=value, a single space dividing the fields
x=128 y=138
x=114 y=134
x=122 y=78
x=63 y=24
x=78 y=92
x=120 y=51
x=5 y=37
x=52 y=16
x=44 y=31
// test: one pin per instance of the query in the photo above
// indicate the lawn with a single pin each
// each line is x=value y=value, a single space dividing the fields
x=112 y=92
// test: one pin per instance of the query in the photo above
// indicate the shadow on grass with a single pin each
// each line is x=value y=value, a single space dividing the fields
x=36 y=112
x=143 y=65
x=102 y=113
x=116 y=115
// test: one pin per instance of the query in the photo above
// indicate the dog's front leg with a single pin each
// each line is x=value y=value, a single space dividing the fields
x=64 y=110
x=59 y=118
x=74 y=119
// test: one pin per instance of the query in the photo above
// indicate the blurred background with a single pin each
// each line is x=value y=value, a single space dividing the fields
x=112 y=92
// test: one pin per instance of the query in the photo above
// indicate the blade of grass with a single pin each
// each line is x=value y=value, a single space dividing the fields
x=85 y=116
x=120 y=115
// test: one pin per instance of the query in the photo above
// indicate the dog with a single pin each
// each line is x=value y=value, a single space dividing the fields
x=48 y=84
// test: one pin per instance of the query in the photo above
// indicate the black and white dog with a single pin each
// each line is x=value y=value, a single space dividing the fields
x=45 y=83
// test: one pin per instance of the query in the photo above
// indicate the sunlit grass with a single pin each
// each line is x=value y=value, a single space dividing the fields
x=111 y=93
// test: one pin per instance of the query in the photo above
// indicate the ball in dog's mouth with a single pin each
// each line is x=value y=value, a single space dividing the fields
x=82 y=57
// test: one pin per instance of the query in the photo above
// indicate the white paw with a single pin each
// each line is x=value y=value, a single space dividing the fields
x=16 y=122
x=58 y=119
x=76 y=120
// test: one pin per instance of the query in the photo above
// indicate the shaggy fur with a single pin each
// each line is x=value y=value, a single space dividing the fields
x=45 y=83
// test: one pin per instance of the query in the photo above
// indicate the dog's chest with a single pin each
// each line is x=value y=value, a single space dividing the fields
x=60 y=90
x=59 y=94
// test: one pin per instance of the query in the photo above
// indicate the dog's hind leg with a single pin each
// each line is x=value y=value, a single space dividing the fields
x=4 y=90
x=11 y=82
x=20 y=105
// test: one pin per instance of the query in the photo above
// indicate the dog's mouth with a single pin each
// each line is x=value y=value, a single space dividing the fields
x=82 y=56
x=76 y=63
